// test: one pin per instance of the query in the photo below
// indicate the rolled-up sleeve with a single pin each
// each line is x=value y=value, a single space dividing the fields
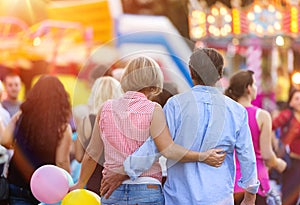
x=246 y=155
x=142 y=159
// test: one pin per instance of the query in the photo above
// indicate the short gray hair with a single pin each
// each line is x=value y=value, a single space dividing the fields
x=206 y=66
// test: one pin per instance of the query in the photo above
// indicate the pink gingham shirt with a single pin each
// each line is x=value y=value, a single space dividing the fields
x=125 y=126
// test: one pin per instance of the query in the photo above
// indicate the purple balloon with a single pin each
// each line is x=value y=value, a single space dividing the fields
x=49 y=184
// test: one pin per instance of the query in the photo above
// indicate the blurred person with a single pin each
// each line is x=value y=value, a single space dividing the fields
x=288 y=121
x=4 y=114
x=82 y=110
x=124 y=124
x=12 y=84
x=40 y=134
x=4 y=160
x=282 y=87
x=91 y=73
x=104 y=88
x=268 y=86
x=196 y=120
x=242 y=88
x=4 y=120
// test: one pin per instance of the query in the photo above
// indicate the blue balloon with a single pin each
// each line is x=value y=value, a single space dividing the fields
x=58 y=203
x=70 y=179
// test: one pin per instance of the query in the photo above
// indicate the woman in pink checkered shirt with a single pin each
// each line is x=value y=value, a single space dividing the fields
x=124 y=124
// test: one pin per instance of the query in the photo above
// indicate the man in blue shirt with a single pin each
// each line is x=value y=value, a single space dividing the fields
x=201 y=119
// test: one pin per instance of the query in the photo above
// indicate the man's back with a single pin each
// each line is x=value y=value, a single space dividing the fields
x=193 y=118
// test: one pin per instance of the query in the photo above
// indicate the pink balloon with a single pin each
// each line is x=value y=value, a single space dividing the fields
x=49 y=184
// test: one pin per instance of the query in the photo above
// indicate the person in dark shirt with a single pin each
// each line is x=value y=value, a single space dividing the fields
x=40 y=134
x=288 y=121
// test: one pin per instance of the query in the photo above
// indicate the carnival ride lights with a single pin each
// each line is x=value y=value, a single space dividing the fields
x=36 y=41
x=197 y=22
x=264 y=19
x=21 y=45
x=219 y=21
x=263 y=25
x=279 y=41
x=296 y=78
x=294 y=19
x=236 y=22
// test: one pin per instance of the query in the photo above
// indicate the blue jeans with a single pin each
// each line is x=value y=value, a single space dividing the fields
x=136 y=194
x=21 y=196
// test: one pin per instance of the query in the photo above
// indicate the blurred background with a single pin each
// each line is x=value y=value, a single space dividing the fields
x=69 y=38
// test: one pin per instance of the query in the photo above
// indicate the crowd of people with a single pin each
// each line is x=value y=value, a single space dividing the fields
x=140 y=141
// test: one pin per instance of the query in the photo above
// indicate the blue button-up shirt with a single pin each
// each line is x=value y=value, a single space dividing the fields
x=201 y=119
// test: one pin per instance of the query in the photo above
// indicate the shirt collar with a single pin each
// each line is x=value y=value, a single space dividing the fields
x=210 y=89
x=134 y=95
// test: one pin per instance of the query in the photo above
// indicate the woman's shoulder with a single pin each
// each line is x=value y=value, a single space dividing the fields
x=68 y=128
x=262 y=116
x=67 y=134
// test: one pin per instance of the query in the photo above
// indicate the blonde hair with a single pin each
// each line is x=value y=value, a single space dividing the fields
x=104 y=88
x=142 y=72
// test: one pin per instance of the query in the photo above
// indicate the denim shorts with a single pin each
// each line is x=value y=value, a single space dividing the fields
x=136 y=194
